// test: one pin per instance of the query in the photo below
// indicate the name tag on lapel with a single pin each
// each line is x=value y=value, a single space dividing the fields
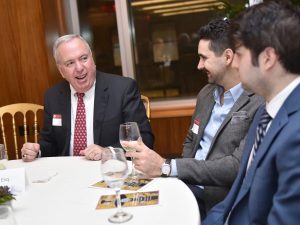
x=56 y=120
x=195 y=127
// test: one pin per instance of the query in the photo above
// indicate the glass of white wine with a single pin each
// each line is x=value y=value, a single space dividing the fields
x=114 y=171
x=2 y=152
x=6 y=215
x=129 y=132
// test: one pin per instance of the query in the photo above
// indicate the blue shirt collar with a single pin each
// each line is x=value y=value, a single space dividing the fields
x=235 y=92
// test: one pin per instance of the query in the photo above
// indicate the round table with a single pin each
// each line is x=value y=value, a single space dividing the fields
x=68 y=198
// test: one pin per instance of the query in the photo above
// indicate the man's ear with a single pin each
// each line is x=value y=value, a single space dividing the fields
x=228 y=54
x=60 y=70
x=269 y=58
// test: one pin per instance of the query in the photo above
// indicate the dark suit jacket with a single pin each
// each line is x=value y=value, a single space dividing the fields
x=269 y=192
x=220 y=168
x=117 y=100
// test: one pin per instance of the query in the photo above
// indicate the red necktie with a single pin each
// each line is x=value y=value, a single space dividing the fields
x=80 y=126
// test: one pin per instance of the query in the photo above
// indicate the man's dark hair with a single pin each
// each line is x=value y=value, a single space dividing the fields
x=216 y=31
x=273 y=24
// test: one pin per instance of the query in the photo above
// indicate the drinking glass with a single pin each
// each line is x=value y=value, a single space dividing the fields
x=2 y=152
x=114 y=171
x=129 y=132
x=6 y=216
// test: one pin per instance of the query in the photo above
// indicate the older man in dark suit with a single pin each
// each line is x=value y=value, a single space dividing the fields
x=84 y=112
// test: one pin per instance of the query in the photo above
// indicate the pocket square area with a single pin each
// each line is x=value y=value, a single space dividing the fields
x=238 y=117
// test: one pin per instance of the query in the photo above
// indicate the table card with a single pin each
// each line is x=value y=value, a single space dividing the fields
x=129 y=184
x=129 y=200
x=14 y=179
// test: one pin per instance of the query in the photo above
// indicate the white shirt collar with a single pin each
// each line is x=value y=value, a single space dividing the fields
x=87 y=94
x=275 y=104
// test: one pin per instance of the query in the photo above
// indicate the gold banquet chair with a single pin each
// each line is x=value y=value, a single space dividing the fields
x=15 y=129
x=146 y=102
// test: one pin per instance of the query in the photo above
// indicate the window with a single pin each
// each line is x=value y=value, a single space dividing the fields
x=98 y=25
x=154 y=41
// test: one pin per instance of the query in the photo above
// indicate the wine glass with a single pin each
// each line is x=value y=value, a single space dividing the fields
x=6 y=216
x=114 y=171
x=129 y=132
x=2 y=152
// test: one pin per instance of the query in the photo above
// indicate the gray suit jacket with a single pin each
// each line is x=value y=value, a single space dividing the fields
x=221 y=166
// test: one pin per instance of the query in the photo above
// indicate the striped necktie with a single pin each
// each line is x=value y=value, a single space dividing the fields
x=261 y=130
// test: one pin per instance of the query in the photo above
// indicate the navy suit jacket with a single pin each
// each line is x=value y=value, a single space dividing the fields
x=269 y=192
x=117 y=100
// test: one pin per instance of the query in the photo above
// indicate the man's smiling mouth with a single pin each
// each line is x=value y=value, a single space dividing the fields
x=81 y=77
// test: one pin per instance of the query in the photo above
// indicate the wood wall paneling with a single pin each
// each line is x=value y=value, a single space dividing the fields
x=170 y=134
x=25 y=67
x=27 y=33
x=54 y=27
x=170 y=125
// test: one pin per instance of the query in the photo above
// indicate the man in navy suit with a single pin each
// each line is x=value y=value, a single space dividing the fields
x=267 y=188
x=109 y=100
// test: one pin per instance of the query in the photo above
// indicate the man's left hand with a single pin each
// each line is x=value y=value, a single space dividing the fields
x=92 y=152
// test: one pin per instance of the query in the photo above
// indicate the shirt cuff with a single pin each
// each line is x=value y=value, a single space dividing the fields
x=173 y=168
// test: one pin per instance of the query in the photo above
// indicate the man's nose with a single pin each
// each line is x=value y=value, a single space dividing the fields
x=78 y=66
x=200 y=65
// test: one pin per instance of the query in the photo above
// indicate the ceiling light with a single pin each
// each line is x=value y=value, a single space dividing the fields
x=186 y=12
x=149 y=2
x=188 y=7
x=185 y=3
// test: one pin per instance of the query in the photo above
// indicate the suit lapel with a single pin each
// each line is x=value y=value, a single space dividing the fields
x=242 y=100
x=203 y=118
x=100 y=105
x=236 y=188
x=65 y=110
x=290 y=105
x=274 y=129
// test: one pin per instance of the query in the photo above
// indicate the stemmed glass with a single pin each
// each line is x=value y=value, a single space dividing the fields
x=6 y=216
x=114 y=171
x=129 y=132
x=2 y=152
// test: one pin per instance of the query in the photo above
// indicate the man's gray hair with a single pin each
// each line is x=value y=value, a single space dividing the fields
x=64 y=39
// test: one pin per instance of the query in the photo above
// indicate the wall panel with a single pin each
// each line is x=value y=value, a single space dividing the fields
x=170 y=134
x=24 y=65
x=27 y=31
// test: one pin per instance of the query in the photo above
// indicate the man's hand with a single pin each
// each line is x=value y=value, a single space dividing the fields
x=145 y=159
x=30 y=151
x=92 y=152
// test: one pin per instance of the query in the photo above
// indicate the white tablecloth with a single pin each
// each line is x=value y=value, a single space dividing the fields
x=68 y=198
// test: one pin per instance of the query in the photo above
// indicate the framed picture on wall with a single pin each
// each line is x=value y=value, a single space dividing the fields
x=165 y=47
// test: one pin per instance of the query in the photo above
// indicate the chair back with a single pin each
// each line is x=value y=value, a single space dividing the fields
x=12 y=110
x=146 y=102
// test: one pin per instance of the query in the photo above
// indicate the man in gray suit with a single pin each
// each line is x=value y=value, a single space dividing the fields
x=213 y=146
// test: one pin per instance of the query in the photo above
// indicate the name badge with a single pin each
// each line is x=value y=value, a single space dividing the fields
x=56 y=120
x=14 y=179
x=195 y=127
